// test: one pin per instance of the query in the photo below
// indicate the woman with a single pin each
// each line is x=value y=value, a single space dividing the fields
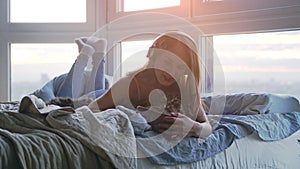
x=172 y=73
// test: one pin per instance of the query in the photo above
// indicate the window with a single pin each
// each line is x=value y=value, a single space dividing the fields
x=134 y=55
x=85 y=17
x=210 y=7
x=32 y=65
x=261 y=62
x=231 y=16
x=47 y=11
x=47 y=15
x=120 y=8
x=136 y=5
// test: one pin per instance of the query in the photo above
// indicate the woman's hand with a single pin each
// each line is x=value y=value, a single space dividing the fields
x=176 y=126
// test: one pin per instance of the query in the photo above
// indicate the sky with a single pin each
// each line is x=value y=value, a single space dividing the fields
x=37 y=11
x=260 y=53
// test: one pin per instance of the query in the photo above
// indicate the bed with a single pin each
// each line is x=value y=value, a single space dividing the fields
x=250 y=131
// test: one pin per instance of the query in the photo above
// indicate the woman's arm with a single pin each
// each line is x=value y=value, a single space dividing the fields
x=118 y=94
x=201 y=127
x=177 y=125
x=102 y=103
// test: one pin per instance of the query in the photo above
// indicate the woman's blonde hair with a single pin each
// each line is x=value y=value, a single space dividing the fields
x=194 y=60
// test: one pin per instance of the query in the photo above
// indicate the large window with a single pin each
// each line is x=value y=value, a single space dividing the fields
x=137 y=5
x=261 y=62
x=33 y=65
x=60 y=21
x=120 y=8
x=211 y=7
x=48 y=15
x=47 y=11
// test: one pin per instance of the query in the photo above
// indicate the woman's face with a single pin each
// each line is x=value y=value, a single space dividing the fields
x=170 y=62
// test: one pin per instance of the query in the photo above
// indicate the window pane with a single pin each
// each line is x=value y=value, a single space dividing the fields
x=136 y=5
x=48 y=11
x=205 y=7
x=32 y=65
x=134 y=55
x=264 y=62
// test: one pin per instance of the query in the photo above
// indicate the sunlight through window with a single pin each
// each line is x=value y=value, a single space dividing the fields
x=136 y=5
x=47 y=11
x=134 y=55
x=262 y=62
x=32 y=65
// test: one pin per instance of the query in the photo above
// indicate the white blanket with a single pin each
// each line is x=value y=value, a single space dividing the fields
x=111 y=130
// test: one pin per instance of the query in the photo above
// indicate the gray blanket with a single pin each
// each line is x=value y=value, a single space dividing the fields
x=41 y=136
x=250 y=103
x=47 y=141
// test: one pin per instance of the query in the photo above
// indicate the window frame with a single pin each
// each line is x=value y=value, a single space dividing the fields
x=212 y=7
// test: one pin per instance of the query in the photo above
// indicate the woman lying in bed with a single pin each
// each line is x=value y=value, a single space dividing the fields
x=168 y=83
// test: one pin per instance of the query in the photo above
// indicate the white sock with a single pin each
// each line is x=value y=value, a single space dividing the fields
x=99 y=44
x=87 y=50
x=100 y=51
x=80 y=43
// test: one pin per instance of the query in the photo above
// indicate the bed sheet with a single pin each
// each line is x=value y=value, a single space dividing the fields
x=247 y=152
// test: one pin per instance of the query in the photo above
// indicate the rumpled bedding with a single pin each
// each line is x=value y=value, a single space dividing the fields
x=250 y=103
x=56 y=139
x=269 y=127
x=9 y=106
x=43 y=136
x=256 y=118
x=116 y=137
x=112 y=131
x=37 y=141
x=238 y=104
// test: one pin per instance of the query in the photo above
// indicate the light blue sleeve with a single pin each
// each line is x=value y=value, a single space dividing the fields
x=49 y=90
x=46 y=92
